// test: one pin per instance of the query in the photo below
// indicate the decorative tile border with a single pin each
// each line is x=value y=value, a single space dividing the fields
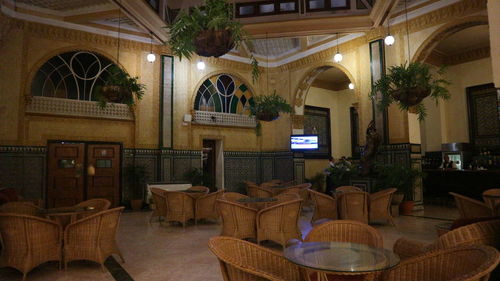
x=23 y=149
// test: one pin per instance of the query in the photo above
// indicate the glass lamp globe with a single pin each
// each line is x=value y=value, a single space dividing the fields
x=338 y=57
x=151 y=57
x=351 y=86
x=200 y=65
x=389 y=40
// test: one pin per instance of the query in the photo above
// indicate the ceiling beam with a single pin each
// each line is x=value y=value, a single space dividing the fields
x=381 y=11
x=89 y=17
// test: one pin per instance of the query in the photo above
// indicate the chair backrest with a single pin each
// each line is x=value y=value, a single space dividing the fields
x=380 y=202
x=353 y=206
x=95 y=230
x=284 y=197
x=257 y=191
x=345 y=231
x=200 y=188
x=469 y=263
x=325 y=206
x=179 y=204
x=20 y=208
x=470 y=208
x=484 y=232
x=233 y=196
x=348 y=188
x=99 y=204
x=283 y=217
x=237 y=220
x=160 y=201
x=206 y=205
x=492 y=201
x=244 y=261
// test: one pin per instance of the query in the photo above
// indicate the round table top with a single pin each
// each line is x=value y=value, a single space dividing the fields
x=341 y=257
x=257 y=199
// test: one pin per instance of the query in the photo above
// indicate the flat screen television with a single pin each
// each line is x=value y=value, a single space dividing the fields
x=304 y=142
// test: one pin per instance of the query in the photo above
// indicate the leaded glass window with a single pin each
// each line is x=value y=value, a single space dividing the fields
x=223 y=93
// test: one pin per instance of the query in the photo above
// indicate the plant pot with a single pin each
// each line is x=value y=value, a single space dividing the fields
x=411 y=96
x=213 y=43
x=136 y=204
x=397 y=198
x=114 y=93
x=267 y=116
x=406 y=208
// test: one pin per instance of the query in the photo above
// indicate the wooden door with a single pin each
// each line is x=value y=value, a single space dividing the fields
x=65 y=183
x=209 y=163
x=105 y=183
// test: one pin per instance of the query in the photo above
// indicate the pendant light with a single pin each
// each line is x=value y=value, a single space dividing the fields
x=151 y=57
x=351 y=86
x=200 y=65
x=389 y=39
x=338 y=56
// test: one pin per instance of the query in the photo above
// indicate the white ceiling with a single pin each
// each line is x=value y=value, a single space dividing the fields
x=465 y=40
x=275 y=47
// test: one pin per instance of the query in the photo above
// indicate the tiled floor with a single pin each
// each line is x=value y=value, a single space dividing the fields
x=171 y=253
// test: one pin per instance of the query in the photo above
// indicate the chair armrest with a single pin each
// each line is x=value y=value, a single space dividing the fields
x=406 y=248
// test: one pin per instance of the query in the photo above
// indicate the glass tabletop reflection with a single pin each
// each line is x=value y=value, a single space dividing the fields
x=341 y=257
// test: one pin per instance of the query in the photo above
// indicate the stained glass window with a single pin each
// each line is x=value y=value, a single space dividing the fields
x=223 y=93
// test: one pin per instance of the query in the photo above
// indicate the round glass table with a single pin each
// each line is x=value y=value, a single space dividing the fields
x=339 y=258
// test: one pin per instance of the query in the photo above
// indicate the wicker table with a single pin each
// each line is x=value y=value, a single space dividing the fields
x=257 y=202
x=65 y=216
x=320 y=259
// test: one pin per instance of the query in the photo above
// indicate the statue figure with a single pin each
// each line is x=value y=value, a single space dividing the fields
x=371 y=149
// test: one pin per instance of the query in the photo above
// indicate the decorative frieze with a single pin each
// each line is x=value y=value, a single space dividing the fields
x=77 y=108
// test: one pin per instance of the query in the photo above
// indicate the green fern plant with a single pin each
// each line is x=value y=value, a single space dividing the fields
x=129 y=87
x=408 y=85
x=270 y=106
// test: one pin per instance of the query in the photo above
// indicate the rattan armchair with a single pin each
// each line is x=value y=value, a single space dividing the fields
x=257 y=191
x=279 y=223
x=29 y=241
x=206 y=207
x=353 y=206
x=380 y=206
x=485 y=232
x=345 y=231
x=20 y=208
x=238 y=220
x=233 y=196
x=348 y=188
x=244 y=261
x=284 y=197
x=325 y=206
x=92 y=238
x=99 y=205
x=469 y=263
x=180 y=207
x=160 y=202
x=470 y=208
x=205 y=189
x=492 y=202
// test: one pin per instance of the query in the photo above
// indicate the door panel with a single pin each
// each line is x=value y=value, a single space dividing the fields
x=65 y=185
x=105 y=158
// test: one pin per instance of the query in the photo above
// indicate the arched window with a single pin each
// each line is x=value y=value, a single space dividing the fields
x=71 y=75
x=223 y=93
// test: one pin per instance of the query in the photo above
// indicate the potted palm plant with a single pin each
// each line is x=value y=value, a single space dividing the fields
x=135 y=176
x=209 y=31
x=268 y=108
x=408 y=85
x=119 y=87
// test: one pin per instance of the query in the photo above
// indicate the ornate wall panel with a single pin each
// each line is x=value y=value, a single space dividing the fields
x=377 y=69
x=166 y=101
x=484 y=115
x=317 y=122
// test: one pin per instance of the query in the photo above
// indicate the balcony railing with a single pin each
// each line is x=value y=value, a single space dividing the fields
x=223 y=119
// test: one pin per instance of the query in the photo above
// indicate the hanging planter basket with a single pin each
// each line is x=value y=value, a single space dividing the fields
x=213 y=43
x=267 y=116
x=115 y=94
x=411 y=96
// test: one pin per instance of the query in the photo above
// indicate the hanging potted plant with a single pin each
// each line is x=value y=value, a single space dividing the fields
x=268 y=108
x=209 y=31
x=119 y=87
x=408 y=85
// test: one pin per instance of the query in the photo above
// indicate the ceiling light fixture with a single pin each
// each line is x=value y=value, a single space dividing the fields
x=351 y=86
x=338 y=56
x=200 y=65
x=151 y=57
x=389 y=39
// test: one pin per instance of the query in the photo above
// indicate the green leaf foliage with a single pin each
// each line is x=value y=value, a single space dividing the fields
x=397 y=176
x=272 y=103
x=119 y=77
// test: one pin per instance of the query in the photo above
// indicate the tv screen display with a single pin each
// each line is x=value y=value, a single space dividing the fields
x=304 y=142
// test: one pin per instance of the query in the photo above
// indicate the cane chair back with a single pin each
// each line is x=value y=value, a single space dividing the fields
x=353 y=206
x=492 y=197
x=470 y=208
x=180 y=207
x=206 y=207
x=205 y=189
x=238 y=220
x=380 y=206
x=257 y=191
x=279 y=223
x=348 y=188
x=233 y=196
x=20 y=208
x=325 y=206
x=345 y=231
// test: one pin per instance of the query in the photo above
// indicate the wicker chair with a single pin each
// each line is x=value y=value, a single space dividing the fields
x=244 y=261
x=160 y=202
x=20 y=208
x=348 y=188
x=470 y=263
x=180 y=207
x=200 y=188
x=92 y=238
x=345 y=231
x=237 y=220
x=206 y=207
x=484 y=232
x=380 y=206
x=279 y=223
x=325 y=207
x=470 y=208
x=257 y=191
x=353 y=206
x=233 y=196
x=29 y=241
x=99 y=205
x=284 y=197
x=492 y=202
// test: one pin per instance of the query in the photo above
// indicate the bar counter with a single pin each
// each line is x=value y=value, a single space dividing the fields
x=472 y=183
